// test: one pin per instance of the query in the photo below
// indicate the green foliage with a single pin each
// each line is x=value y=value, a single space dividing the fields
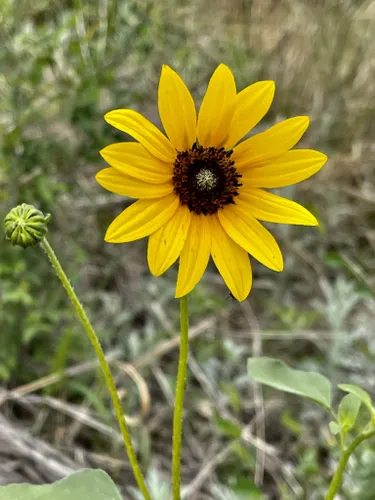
x=63 y=65
x=291 y=423
x=348 y=411
x=334 y=427
x=240 y=489
x=51 y=121
x=83 y=485
x=275 y=373
x=227 y=427
x=361 y=395
x=29 y=310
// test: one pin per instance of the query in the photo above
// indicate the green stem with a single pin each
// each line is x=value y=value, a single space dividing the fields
x=103 y=365
x=180 y=393
x=345 y=454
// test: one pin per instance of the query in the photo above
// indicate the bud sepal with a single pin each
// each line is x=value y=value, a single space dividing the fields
x=26 y=226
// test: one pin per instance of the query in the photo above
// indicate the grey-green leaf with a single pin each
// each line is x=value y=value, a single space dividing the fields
x=348 y=411
x=82 y=485
x=363 y=396
x=277 y=374
x=334 y=428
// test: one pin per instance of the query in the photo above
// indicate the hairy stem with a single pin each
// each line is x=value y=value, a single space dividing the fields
x=345 y=454
x=180 y=394
x=103 y=365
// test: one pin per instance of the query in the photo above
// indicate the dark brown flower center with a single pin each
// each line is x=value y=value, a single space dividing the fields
x=205 y=179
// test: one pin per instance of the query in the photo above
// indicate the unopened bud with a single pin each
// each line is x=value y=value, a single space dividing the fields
x=25 y=225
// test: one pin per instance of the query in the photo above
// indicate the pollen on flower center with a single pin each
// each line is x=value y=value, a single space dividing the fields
x=205 y=179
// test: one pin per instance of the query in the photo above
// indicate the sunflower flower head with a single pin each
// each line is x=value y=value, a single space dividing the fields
x=201 y=192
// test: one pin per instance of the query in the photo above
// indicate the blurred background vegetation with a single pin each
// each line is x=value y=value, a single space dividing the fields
x=64 y=63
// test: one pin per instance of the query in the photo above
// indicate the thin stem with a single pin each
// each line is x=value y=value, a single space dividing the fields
x=345 y=454
x=103 y=365
x=180 y=393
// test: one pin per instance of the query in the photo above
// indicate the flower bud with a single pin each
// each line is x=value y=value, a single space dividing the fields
x=25 y=226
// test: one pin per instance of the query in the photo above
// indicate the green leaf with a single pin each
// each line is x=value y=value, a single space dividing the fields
x=348 y=411
x=291 y=423
x=245 y=489
x=245 y=455
x=363 y=396
x=277 y=374
x=334 y=428
x=82 y=485
x=227 y=427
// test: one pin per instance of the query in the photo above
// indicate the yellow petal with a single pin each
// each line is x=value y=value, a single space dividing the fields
x=269 y=207
x=261 y=148
x=136 y=125
x=131 y=158
x=142 y=218
x=252 y=104
x=165 y=245
x=124 y=185
x=251 y=235
x=177 y=110
x=195 y=254
x=292 y=167
x=217 y=108
x=231 y=260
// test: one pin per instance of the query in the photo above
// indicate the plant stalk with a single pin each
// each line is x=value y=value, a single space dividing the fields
x=345 y=455
x=180 y=394
x=103 y=365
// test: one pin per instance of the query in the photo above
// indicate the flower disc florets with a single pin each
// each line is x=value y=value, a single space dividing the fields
x=205 y=179
x=25 y=225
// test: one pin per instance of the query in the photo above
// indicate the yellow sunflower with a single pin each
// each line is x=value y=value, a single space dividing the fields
x=200 y=192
